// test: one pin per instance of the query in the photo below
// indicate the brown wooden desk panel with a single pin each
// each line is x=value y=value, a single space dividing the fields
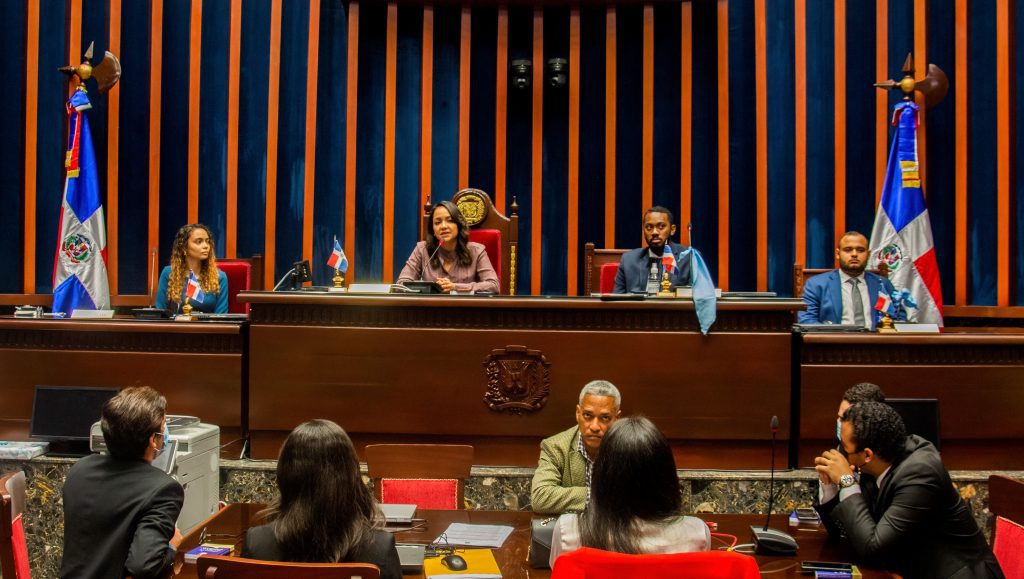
x=197 y=366
x=978 y=380
x=229 y=526
x=415 y=366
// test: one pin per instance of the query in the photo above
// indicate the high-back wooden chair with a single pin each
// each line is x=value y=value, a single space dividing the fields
x=220 y=567
x=491 y=228
x=802 y=274
x=599 y=269
x=244 y=273
x=431 y=476
x=1006 y=503
x=13 y=550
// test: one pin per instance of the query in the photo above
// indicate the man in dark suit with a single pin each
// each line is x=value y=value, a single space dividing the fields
x=641 y=270
x=913 y=522
x=119 y=511
x=846 y=295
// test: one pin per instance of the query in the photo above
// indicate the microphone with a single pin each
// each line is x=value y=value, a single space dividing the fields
x=152 y=276
x=770 y=541
x=689 y=234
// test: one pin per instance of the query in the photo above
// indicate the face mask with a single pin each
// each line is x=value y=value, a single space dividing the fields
x=167 y=437
x=839 y=431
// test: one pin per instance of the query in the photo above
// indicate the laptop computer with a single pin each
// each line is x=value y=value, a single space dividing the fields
x=398 y=514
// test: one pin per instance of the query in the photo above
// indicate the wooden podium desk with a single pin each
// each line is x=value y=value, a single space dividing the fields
x=429 y=368
x=978 y=379
x=229 y=526
x=198 y=366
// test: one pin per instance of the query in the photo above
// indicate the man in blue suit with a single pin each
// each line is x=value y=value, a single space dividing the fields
x=846 y=295
x=641 y=270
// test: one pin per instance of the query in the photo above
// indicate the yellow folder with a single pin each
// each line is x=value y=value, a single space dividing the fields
x=480 y=564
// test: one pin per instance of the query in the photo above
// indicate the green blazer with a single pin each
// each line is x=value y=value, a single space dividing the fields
x=559 y=483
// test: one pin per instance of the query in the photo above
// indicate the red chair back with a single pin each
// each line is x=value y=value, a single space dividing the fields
x=589 y=563
x=13 y=549
x=491 y=240
x=425 y=493
x=1006 y=502
x=608 y=272
x=238 y=280
x=430 y=476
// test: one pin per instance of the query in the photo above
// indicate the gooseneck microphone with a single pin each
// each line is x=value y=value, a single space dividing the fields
x=152 y=275
x=770 y=541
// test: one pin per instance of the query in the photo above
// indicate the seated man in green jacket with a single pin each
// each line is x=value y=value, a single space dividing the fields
x=561 y=482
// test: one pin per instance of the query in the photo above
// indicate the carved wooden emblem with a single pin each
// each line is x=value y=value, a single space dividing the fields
x=518 y=380
x=473 y=208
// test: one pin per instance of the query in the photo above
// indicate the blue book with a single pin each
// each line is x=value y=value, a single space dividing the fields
x=208 y=549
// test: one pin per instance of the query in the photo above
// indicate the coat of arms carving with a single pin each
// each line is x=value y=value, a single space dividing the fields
x=518 y=380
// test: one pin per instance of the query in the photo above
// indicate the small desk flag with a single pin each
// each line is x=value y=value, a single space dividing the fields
x=194 y=291
x=337 y=260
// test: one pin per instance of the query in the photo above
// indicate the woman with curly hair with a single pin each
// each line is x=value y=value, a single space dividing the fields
x=458 y=264
x=323 y=512
x=192 y=252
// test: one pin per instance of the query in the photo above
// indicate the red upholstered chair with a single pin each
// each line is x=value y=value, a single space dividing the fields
x=603 y=262
x=243 y=274
x=219 y=567
x=490 y=227
x=431 y=476
x=13 y=550
x=589 y=563
x=1006 y=503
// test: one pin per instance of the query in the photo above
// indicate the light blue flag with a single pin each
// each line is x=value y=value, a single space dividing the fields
x=704 y=300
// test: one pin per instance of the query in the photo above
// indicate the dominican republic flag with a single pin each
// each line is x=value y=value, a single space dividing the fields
x=194 y=292
x=337 y=260
x=668 y=259
x=884 y=302
x=705 y=299
x=902 y=235
x=80 y=264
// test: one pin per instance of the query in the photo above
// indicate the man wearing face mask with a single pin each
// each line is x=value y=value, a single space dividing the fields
x=641 y=270
x=119 y=511
x=863 y=392
x=914 y=523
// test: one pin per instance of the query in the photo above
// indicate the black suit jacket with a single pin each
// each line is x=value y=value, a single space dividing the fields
x=915 y=523
x=118 y=518
x=634 y=267
x=260 y=543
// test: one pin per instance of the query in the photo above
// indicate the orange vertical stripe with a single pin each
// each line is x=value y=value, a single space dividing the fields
x=390 y=84
x=537 y=149
x=723 y=144
x=1004 y=121
x=647 y=170
x=113 y=151
x=195 y=58
x=881 y=96
x=234 y=65
x=610 y=61
x=273 y=103
x=309 y=184
x=75 y=50
x=960 y=86
x=921 y=67
x=574 y=150
x=155 y=75
x=31 y=145
x=800 y=126
x=685 y=116
x=427 y=114
x=761 y=146
x=465 y=52
x=501 y=110
x=352 y=102
x=839 y=80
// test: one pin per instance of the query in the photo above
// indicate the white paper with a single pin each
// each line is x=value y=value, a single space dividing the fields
x=908 y=328
x=467 y=535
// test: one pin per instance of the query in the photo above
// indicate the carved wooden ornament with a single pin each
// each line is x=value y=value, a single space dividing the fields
x=518 y=380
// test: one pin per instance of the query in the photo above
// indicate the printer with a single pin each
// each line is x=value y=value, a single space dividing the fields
x=195 y=464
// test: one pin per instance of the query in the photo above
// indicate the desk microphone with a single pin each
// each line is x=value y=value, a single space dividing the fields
x=152 y=276
x=770 y=541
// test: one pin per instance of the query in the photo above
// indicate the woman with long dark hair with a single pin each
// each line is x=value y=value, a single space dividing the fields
x=448 y=258
x=634 y=499
x=192 y=252
x=323 y=513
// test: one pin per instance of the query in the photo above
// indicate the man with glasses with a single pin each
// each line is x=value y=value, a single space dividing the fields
x=914 y=521
x=119 y=511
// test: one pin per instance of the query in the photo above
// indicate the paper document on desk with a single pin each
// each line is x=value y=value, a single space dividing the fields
x=468 y=535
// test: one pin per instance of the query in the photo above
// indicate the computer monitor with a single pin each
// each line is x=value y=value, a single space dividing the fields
x=920 y=415
x=64 y=415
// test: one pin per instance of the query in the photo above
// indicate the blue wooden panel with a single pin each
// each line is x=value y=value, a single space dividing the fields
x=820 y=35
x=481 y=97
x=667 y=58
x=95 y=20
x=213 y=119
x=174 y=111
x=742 y=148
x=704 y=121
x=291 y=135
x=252 y=127
x=329 y=184
x=555 y=159
x=940 y=163
x=981 y=165
x=1017 y=242
x=629 y=149
x=445 y=123
x=860 y=130
x=370 y=142
x=408 y=112
x=518 y=139
x=12 y=148
x=592 y=142
x=781 y=146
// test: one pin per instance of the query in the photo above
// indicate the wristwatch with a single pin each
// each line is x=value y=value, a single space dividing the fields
x=847 y=481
